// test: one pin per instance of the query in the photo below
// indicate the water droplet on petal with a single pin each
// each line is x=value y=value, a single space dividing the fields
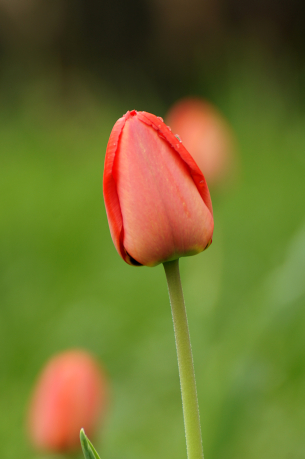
x=169 y=128
x=160 y=118
x=177 y=145
x=177 y=137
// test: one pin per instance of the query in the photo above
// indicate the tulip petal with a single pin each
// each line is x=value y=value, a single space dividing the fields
x=110 y=191
x=164 y=131
x=163 y=215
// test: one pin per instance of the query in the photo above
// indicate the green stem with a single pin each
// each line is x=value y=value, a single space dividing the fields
x=185 y=362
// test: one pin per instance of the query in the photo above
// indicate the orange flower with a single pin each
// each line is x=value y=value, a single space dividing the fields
x=206 y=135
x=70 y=394
x=157 y=200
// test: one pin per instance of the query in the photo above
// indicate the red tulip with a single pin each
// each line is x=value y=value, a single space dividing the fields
x=206 y=135
x=157 y=200
x=70 y=394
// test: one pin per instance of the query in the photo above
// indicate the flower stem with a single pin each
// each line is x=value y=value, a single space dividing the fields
x=185 y=362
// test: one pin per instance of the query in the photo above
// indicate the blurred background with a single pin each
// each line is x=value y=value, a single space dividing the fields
x=68 y=70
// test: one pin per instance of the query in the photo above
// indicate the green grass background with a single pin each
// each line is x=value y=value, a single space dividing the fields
x=63 y=285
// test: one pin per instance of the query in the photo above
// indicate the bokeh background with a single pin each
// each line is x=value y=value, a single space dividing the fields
x=68 y=70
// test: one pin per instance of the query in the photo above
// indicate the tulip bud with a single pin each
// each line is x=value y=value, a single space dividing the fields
x=157 y=200
x=70 y=394
x=206 y=135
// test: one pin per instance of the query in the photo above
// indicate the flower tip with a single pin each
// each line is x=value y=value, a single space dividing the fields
x=130 y=114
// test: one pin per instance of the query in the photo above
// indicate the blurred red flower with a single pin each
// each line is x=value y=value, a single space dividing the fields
x=71 y=393
x=206 y=135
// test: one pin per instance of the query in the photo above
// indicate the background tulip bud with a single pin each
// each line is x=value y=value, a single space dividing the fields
x=157 y=200
x=206 y=135
x=70 y=394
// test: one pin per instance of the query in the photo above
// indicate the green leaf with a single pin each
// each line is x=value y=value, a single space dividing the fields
x=87 y=447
